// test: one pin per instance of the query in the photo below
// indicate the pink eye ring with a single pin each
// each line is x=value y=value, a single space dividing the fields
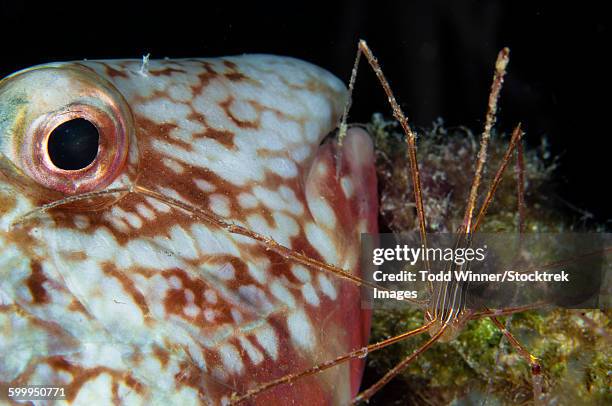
x=65 y=127
x=75 y=151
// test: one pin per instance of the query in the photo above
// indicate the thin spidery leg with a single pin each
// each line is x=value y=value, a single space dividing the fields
x=368 y=393
x=514 y=143
x=498 y=79
x=214 y=220
x=359 y=353
x=500 y=71
x=343 y=127
x=507 y=311
x=520 y=188
x=399 y=115
x=520 y=195
x=536 y=369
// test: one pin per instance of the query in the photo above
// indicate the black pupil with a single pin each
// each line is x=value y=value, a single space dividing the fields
x=74 y=144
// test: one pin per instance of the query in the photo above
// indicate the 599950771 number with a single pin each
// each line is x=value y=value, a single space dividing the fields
x=36 y=392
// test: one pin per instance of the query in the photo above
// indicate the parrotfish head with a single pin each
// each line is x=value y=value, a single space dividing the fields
x=121 y=295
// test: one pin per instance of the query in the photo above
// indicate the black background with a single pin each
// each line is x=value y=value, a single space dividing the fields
x=437 y=55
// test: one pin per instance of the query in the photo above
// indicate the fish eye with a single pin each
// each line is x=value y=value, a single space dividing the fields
x=79 y=148
x=65 y=127
x=73 y=145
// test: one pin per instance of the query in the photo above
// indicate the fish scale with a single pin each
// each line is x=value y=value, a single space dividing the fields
x=129 y=298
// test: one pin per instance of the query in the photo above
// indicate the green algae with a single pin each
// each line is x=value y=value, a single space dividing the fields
x=478 y=366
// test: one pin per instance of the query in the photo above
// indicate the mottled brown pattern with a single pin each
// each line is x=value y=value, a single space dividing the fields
x=226 y=106
x=167 y=71
x=112 y=271
x=35 y=284
x=113 y=73
x=225 y=138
